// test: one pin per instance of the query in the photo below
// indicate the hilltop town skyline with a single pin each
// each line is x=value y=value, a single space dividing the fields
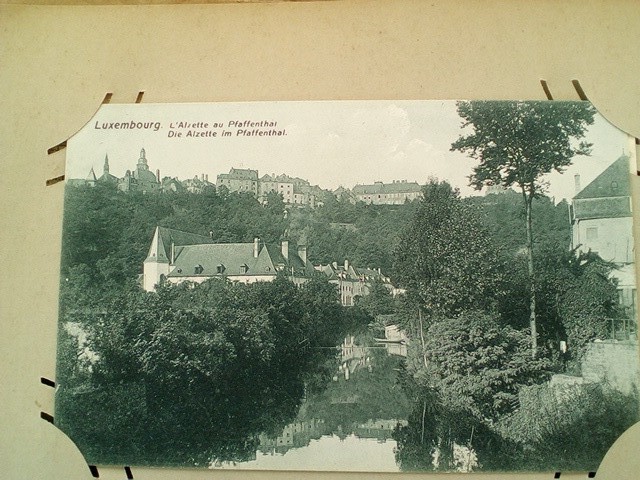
x=238 y=179
x=330 y=144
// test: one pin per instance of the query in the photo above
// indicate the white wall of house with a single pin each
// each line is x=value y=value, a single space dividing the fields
x=152 y=273
x=612 y=238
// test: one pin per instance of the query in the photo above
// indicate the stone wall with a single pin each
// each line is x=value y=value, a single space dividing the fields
x=617 y=363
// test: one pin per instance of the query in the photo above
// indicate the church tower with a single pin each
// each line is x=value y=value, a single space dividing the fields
x=106 y=177
x=142 y=161
x=146 y=180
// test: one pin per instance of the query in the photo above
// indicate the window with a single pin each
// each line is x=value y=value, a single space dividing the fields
x=220 y=268
x=244 y=268
x=198 y=269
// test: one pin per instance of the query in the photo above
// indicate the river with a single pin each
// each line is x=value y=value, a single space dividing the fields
x=348 y=425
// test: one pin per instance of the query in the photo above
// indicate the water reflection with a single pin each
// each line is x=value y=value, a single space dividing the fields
x=358 y=411
x=329 y=453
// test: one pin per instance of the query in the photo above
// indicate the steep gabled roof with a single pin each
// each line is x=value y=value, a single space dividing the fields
x=613 y=182
x=179 y=238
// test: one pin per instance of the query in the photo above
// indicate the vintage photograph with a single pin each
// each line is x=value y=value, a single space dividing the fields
x=348 y=286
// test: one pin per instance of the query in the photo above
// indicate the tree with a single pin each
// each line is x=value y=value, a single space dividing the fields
x=379 y=301
x=445 y=257
x=517 y=143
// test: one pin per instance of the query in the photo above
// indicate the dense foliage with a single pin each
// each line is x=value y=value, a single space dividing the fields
x=570 y=429
x=467 y=311
x=478 y=365
x=194 y=373
x=445 y=257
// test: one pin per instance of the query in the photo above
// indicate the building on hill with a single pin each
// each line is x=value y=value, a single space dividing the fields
x=106 y=177
x=91 y=179
x=396 y=193
x=281 y=184
x=354 y=282
x=239 y=180
x=176 y=256
x=496 y=190
x=294 y=190
x=602 y=221
x=198 y=184
x=344 y=194
x=170 y=184
x=141 y=179
x=307 y=195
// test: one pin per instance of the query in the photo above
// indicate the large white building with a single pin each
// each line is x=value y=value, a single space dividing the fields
x=176 y=256
x=396 y=193
x=602 y=221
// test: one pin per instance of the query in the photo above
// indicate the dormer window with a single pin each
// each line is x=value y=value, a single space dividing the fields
x=614 y=185
x=198 y=269
x=220 y=268
x=244 y=268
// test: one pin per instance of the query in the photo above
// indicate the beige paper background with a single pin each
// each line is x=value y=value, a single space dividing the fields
x=57 y=63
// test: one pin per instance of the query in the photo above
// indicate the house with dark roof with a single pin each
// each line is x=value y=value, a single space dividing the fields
x=176 y=256
x=602 y=221
x=396 y=193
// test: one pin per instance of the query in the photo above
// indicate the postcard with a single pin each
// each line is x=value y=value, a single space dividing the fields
x=369 y=286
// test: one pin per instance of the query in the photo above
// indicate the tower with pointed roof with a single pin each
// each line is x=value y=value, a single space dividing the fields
x=156 y=265
x=91 y=178
x=142 y=161
x=106 y=177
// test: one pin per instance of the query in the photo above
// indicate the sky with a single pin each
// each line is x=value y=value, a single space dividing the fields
x=329 y=143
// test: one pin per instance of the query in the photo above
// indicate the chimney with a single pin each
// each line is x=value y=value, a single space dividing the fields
x=576 y=179
x=302 y=253
x=202 y=176
x=206 y=177
x=334 y=265
x=158 y=175
x=256 y=247
x=346 y=264
x=285 y=249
